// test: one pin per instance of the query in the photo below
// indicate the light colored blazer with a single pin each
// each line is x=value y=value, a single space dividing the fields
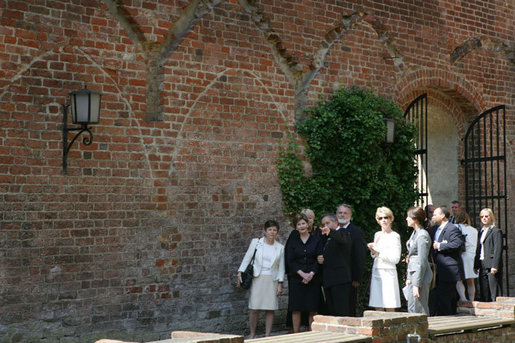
x=419 y=270
x=389 y=249
x=277 y=268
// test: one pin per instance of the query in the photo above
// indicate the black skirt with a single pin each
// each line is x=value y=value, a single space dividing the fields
x=302 y=297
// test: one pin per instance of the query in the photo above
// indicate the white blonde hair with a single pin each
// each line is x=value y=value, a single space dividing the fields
x=490 y=213
x=384 y=210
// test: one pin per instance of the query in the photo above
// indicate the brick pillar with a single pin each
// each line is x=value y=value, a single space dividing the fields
x=380 y=326
x=504 y=307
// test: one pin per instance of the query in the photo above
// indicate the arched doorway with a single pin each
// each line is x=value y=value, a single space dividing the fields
x=437 y=152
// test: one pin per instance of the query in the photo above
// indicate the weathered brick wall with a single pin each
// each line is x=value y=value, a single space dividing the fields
x=146 y=231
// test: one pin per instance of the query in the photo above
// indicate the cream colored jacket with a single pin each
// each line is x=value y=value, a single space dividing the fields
x=277 y=268
x=388 y=245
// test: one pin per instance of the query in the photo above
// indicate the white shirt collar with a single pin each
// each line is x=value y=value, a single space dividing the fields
x=345 y=226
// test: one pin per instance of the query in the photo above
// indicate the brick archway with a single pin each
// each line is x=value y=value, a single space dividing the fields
x=450 y=94
x=451 y=89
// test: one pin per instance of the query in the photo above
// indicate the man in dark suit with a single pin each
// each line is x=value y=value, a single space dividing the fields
x=336 y=259
x=455 y=208
x=489 y=257
x=359 y=251
x=447 y=243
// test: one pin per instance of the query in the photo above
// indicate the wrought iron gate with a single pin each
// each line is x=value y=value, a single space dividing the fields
x=416 y=113
x=485 y=172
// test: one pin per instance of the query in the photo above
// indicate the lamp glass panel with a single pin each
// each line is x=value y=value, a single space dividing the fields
x=80 y=108
x=95 y=108
x=390 y=131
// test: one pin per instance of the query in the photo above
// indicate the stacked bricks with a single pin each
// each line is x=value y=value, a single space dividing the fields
x=381 y=326
x=503 y=307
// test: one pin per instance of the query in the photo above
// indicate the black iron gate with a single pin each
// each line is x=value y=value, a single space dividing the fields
x=485 y=172
x=416 y=113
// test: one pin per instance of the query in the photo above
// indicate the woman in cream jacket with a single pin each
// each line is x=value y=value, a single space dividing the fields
x=386 y=251
x=268 y=276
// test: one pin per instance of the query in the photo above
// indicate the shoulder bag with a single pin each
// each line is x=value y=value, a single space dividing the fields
x=248 y=274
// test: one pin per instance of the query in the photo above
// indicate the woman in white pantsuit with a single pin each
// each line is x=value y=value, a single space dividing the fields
x=386 y=252
x=267 y=283
x=419 y=276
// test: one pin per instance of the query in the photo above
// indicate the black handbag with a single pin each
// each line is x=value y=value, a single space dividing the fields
x=248 y=274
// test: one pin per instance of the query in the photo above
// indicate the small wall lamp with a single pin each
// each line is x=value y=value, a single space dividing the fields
x=85 y=108
x=390 y=129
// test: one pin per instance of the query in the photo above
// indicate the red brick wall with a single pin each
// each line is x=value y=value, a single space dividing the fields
x=146 y=231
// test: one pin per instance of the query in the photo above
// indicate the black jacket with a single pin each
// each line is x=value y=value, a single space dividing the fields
x=337 y=258
x=492 y=249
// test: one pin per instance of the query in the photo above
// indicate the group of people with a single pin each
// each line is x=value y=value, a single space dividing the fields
x=463 y=254
x=324 y=265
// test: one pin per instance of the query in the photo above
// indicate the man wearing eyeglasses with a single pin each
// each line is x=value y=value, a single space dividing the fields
x=447 y=243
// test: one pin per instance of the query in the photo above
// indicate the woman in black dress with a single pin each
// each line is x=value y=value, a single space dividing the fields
x=303 y=277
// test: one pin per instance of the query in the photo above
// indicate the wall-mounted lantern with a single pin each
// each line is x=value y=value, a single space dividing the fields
x=390 y=129
x=85 y=108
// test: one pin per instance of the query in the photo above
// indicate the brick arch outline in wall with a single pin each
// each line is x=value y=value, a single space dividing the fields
x=475 y=43
x=180 y=138
x=156 y=54
x=300 y=80
x=18 y=74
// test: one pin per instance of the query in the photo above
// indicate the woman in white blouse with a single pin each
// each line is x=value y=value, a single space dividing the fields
x=386 y=252
x=267 y=283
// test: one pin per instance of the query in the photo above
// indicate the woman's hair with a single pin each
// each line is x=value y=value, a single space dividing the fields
x=308 y=212
x=384 y=212
x=418 y=214
x=490 y=213
x=462 y=217
x=300 y=217
x=270 y=223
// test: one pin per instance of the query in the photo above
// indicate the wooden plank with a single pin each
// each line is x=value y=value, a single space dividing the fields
x=460 y=323
x=312 y=337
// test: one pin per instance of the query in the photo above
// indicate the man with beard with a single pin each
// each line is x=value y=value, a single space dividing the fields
x=358 y=253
